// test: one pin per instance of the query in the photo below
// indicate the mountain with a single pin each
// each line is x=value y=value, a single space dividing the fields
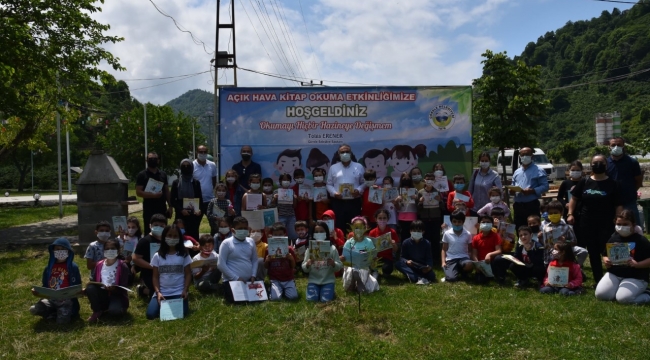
x=199 y=104
x=596 y=52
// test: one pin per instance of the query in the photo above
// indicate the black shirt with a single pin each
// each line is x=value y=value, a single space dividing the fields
x=143 y=250
x=598 y=199
x=624 y=170
x=153 y=206
x=639 y=252
x=245 y=171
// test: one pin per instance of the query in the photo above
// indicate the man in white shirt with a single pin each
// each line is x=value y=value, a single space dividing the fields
x=205 y=171
x=346 y=200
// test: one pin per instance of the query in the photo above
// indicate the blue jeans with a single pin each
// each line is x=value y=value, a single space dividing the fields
x=153 y=309
x=290 y=223
x=413 y=274
x=322 y=293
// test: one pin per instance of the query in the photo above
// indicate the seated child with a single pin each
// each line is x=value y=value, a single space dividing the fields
x=219 y=207
x=507 y=243
x=206 y=277
x=563 y=257
x=566 y=234
x=222 y=234
x=387 y=256
x=336 y=236
x=321 y=280
x=495 y=202
x=302 y=241
x=60 y=272
x=95 y=250
x=280 y=269
x=486 y=246
x=531 y=253
x=417 y=261
x=356 y=278
x=456 y=248
x=459 y=185
x=261 y=248
x=111 y=272
x=194 y=250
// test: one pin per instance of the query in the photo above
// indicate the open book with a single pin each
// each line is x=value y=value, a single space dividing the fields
x=259 y=219
x=201 y=263
x=106 y=285
x=359 y=259
x=60 y=294
x=429 y=200
x=248 y=291
x=513 y=259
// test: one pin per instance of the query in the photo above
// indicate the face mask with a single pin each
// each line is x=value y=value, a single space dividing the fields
x=417 y=178
x=103 y=236
x=318 y=178
x=152 y=163
x=555 y=218
x=575 y=174
x=246 y=156
x=268 y=188
x=495 y=199
x=486 y=227
x=182 y=231
x=555 y=254
x=535 y=229
x=598 y=168
x=345 y=157
x=459 y=187
x=382 y=223
x=286 y=184
x=526 y=159
x=110 y=254
x=457 y=228
x=358 y=233
x=300 y=181
x=241 y=234
x=387 y=186
x=416 y=235
x=171 y=242
x=186 y=170
x=157 y=230
x=430 y=182
x=624 y=231
x=484 y=164
x=230 y=180
x=257 y=236
x=320 y=236
x=369 y=183
x=616 y=151
x=224 y=230
x=438 y=173
x=203 y=157
x=255 y=186
x=132 y=231
x=61 y=254
x=301 y=234
x=221 y=193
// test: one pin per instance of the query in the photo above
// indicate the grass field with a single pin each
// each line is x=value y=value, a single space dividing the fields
x=13 y=217
x=405 y=321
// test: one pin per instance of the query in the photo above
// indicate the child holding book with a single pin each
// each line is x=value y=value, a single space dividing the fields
x=486 y=246
x=416 y=262
x=172 y=274
x=336 y=236
x=254 y=183
x=459 y=186
x=560 y=229
x=286 y=212
x=387 y=256
x=111 y=272
x=321 y=279
x=267 y=190
x=194 y=249
x=129 y=241
x=222 y=234
x=61 y=272
x=388 y=183
x=318 y=206
x=531 y=253
x=280 y=269
x=302 y=240
x=302 y=202
x=430 y=215
x=563 y=257
x=496 y=201
x=626 y=283
x=219 y=207
x=237 y=257
x=95 y=250
x=206 y=277
x=144 y=253
x=261 y=249
x=368 y=208
x=456 y=249
x=406 y=206
x=357 y=245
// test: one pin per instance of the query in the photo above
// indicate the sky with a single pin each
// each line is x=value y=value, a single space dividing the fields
x=341 y=42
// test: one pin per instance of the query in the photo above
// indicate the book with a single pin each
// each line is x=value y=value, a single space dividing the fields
x=383 y=242
x=278 y=246
x=441 y=184
x=201 y=263
x=514 y=188
x=247 y=291
x=188 y=244
x=285 y=196
x=619 y=253
x=191 y=204
x=216 y=210
x=429 y=200
x=58 y=294
x=253 y=201
x=129 y=245
x=407 y=194
x=346 y=191
x=552 y=237
x=507 y=231
x=107 y=285
x=260 y=219
x=330 y=225
x=470 y=224
x=513 y=259
x=569 y=195
x=153 y=248
x=391 y=194
x=481 y=266
x=320 y=194
x=359 y=259
x=319 y=250
x=375 y=195
x=153 y=186
x=558 y=276
x=461 y=197
x=119 y=225
x=171 y=309
x=305 y=191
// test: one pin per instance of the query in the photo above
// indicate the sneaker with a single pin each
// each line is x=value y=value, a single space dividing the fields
x=422 y=281
x=443 y=279
x=521 y=284
x=94 y=317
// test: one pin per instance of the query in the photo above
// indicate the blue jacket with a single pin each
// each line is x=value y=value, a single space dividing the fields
x=74 y=277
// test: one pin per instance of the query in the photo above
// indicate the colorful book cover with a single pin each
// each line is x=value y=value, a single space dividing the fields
x=391 y=194
x=171 y=309
x=278 y=246
x=429 y=200
x=119 y=225
x=253 y=201
x=153 y=186
x=375 y=195
x=58 y=294
x=383 y=242
x=285 y=196
x=191 y=204
x=441 y=184
x=248 y=291
x=407 y=195
x=319 y=250
x=346 y=191
x=619 y=253
x=305 y=191
x=558 y=276
x=320 y=194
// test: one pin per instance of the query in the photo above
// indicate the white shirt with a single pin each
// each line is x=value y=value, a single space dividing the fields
x=458 y=244
x=171 y=272
x=237 y=259
x=204 y=174
x=109 y=274
x=351 y=174
x=197 y=257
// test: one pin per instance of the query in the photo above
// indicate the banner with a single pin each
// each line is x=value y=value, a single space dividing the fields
x=390 y=129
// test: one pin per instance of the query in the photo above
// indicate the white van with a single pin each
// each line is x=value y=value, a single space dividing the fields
x=539 y=158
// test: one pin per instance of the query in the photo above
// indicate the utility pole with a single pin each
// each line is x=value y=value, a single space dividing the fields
x=146 y=152
x=58 y=146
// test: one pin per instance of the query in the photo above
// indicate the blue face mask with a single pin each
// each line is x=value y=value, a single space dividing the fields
x=459 y=187
x=182 y=231
x=457 y=228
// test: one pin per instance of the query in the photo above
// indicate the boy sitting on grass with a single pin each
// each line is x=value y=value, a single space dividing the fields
x=280 y=269
x=416 y=262
x=486 y=246
x=456 y=249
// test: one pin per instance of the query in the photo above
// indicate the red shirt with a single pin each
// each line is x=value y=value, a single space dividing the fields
x=368 y=208
x=280 y=268
x=386 y=254
x=450 y=201
x=59 y=276
x=302 y=206
x=485 y=244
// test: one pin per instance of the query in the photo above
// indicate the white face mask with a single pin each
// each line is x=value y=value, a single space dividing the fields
x=202 y=157
x=224 y=230
x=484 y=164
x=110 y=254
x=241 y=234
x=345 y=157
x=417 y=178
x=526 y=159
x=157 y=230
x=132 y=231
x=301 y=234
x=320 y=236
x=103 y=236
x=495 y=199
x=575 y=174
x=230 y=180
x=286 y=184
x=172 y=242
x=257 y=236
x=255 y=186
x=358 y=233
x=485 y=227
x=416 y=235
x=318 y=178
x=221 y=193
x=430 y=182
x=300 y=181
x=267 y=188
x=616 y=150
x=61 y=254
x=438 y=173
x=387 y=186
x=624 y=231
x=369 y=183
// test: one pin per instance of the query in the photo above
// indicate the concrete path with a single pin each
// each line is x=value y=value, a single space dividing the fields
x=47 y=200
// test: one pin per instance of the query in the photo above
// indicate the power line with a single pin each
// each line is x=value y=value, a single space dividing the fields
x=152 y=86
x=309 y=38
x=287 y=35
x=621 y=2
x=274 y=37
x=598 y=72
x=164 y=78
x=283 y=77
x=611 y=79
x=196 y=40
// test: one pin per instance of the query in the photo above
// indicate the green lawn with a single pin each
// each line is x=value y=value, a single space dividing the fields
x=403 y=321
x=20 y=216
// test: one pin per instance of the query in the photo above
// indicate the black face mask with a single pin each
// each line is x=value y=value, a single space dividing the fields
x=245 y=157
x=598 y=168
x=534 y=229
x=152 y=163
x=186 y=170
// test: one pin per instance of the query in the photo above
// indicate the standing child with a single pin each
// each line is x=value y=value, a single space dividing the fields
x=317 y=208
x=486 y=246
x=206 y=278
x=254 y=182
x=416 y=175
x=557 y=227
x=219 y=207
x=267 y=190
x=359 y=243
x=407 y=209
x=280 y=269
x=431 y=216
x=147 y=247
x=439 y=172
x=111 y=272
x=531 y=253
x=456 y=249
x=95 y=250
x=563 y=257
x=60 y=272
x=368 y=208
x=321 y=280
x=302 y=202
x=130 y=241
x=286 y=212
x=387 y=256
x=459 y=186
x=388 y=204
x=336 y=236
x=495 y=202
x=172 y=275
x=564 y=192
x=234 y=191
x=417 y=261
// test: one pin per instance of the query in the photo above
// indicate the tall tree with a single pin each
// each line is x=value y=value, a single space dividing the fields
x=51 y=50
x=509 y=102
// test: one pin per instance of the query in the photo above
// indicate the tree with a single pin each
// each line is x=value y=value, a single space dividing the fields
x=509 y=102
x=51 y=50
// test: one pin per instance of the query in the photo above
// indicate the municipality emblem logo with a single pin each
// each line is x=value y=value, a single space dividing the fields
x=442 y=117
